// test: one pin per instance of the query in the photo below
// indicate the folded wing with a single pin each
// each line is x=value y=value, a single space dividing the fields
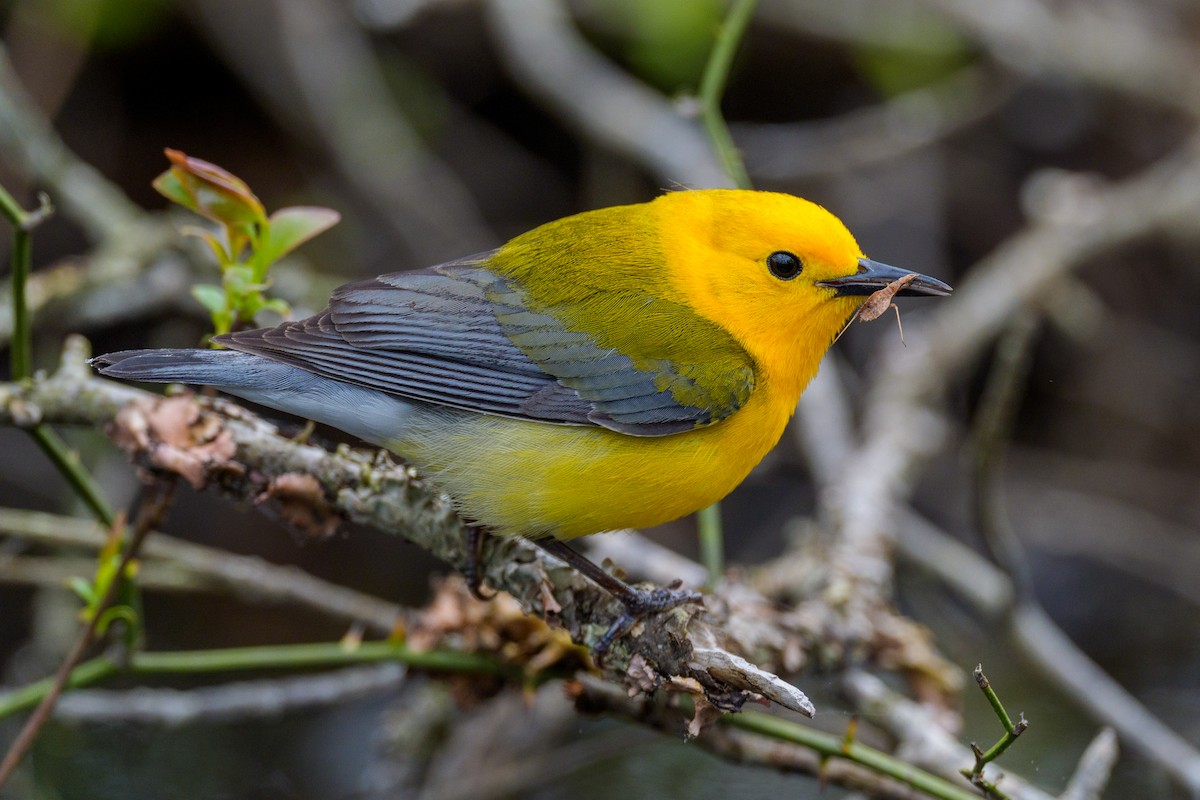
x=460 y=335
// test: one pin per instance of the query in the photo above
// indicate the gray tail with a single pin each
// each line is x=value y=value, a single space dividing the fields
x=358 y=410
x=202 y=367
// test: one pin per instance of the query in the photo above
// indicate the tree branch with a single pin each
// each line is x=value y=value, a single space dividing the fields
x=370 y=489
x=1078 y=219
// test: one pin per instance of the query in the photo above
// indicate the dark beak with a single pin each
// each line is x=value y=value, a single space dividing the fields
x=873 y=276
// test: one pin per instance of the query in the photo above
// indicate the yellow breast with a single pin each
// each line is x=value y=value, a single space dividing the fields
x=535 y=479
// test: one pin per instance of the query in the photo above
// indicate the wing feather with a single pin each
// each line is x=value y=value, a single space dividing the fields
x=460 y=335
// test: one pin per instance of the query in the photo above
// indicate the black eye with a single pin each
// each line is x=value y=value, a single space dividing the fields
x=784 y=265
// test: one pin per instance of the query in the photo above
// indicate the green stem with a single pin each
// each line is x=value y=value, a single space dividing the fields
x=993 y=699
x=320 y=654
x=67 y=461
x=999 y=747
x=712 y=87
x=712 y=544
x=1011 y=730
x=22 y=221
x=85 y=674
x=21 y=352
x=294 y=656
x=830 y=746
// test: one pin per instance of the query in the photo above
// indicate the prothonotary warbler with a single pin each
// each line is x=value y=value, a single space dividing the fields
x=617 y=368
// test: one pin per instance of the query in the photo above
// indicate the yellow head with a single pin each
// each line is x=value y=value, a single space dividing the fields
x=783 y=275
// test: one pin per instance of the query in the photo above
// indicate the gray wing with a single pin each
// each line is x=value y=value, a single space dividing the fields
x=435 y=336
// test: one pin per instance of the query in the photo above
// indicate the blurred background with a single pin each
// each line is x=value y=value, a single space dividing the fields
x=942 y=133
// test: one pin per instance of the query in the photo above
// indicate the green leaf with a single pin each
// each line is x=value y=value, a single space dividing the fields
x=84 y=589
x=239 y=281
x=112 y=615
x=171 y=187
x=211 y=297
x=277 y=305
x=210 y=191
x=222 y=323
x=217 y=243
x=291 y=227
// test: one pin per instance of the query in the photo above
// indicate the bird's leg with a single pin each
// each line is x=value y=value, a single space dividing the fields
x=638 y=602
x=475 y=536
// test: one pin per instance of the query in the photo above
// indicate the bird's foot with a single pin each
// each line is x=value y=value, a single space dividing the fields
x=641 y=603
x=471 y=570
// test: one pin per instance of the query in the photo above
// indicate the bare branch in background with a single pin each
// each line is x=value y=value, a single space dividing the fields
x=135 y=270
x=922 y=740
x=230 y=702
x=872 y=135
x=197 y=567
x=1163 y=554
x=1079 y=218
x=1095 y=766
x=312 y=66
x=547 y=55
x=30 y=143
x=1079 y=677
x=1111 y=45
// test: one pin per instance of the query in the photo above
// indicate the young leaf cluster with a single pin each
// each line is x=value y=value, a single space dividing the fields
x=246 y=241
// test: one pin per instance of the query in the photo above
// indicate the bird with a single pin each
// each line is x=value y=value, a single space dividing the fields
x=618 y=368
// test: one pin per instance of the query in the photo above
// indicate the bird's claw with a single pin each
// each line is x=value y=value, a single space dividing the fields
x=471 y=571
x=641 y=603
x=475 y=586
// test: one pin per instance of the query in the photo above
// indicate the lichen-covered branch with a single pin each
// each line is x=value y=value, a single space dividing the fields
x=215 y=443
x=314 y=68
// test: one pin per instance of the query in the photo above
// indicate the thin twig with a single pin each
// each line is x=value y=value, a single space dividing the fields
x=1042 y=642
x=831 y=746
x=21 y=351
x=67 y=462
x=712 y=89
x=237 y=659
x=756 y=738
x=923 y=741
x=712 y=542
x=212 y=569
x=1099 y=692
x=993 y=427
x=1011 y=732
x=23 y=222
x=1093 y=689
x=150 y=516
